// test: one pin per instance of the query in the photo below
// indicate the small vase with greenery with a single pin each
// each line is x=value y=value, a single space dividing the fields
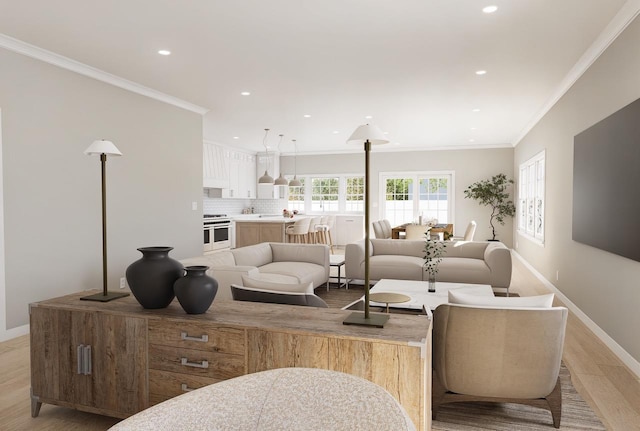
x=493 y=193
x=433 y=252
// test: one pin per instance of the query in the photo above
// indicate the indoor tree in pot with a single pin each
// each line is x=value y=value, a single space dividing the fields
x=433 y=252
x=493 y=193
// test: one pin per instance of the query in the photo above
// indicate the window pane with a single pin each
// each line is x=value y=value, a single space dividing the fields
x=324 y=194
x=399 y=200
x=296 y=197
x=434 y=199
x=355 y=194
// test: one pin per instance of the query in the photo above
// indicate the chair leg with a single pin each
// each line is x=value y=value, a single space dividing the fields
x=330 y=241
x=554 y=399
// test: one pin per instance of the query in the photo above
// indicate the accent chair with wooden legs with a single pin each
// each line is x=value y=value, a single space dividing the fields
x=496 y=354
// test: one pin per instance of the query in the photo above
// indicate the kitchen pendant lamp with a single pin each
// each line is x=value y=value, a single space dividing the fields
x=295 y=182
x=266 y=178
x=281 y=181
x=368 y=135
x=104 y=148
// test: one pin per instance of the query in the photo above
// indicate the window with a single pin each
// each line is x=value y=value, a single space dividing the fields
x=324 y=194
x=407 y=197
x=531 y=197
x=354 y=194
x=336 y=193
x=296 y=197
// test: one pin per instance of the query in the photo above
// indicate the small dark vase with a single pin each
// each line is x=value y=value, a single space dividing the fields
x=196 y=290
x=151 y=277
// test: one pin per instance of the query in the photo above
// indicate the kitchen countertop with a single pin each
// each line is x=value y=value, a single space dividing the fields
x=267 y=219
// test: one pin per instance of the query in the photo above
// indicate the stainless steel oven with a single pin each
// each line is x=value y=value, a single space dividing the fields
x=217 y=231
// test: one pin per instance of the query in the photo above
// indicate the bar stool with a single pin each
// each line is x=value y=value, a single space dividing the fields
x=324 y=231
x=312 y=233
x=299 y=230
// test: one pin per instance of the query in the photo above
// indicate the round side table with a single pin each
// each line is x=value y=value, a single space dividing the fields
x=389 y=298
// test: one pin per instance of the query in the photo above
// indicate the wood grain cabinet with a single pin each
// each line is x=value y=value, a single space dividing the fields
x=184 y=356
x=91 y=361
x=117 y=359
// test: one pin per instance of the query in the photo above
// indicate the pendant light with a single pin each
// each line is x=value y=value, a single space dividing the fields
x=266 y=178
x=281 y=181
x=295 y=182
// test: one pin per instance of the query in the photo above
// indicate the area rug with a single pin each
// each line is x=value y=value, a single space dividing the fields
x=576 y=413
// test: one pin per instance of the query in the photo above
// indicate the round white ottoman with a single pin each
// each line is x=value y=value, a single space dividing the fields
x=281 y=399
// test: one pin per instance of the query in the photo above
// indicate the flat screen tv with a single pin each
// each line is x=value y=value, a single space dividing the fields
x=606 y=184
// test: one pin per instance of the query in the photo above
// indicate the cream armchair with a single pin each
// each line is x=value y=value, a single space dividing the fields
x=496 y=354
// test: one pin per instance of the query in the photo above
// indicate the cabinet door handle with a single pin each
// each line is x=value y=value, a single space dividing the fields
x=186 y=363
x=186 y=388
x=83 y=356
x=185 y=337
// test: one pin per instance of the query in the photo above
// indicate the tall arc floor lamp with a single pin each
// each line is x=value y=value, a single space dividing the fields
x=104 y=148
x=368 y=135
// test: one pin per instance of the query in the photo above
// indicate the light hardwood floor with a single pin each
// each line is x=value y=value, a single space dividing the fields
x=599 y=376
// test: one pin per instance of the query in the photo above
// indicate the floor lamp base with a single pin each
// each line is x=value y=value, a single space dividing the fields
x=110 y=296
x=376 y=320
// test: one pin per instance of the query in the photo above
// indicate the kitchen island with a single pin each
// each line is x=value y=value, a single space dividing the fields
x=262 y=229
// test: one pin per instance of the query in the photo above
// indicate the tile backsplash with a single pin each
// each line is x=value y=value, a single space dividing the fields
x=235 y=206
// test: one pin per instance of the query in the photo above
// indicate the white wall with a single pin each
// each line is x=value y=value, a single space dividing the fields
x=469 y=166
x=52 y=215
x=603 y=285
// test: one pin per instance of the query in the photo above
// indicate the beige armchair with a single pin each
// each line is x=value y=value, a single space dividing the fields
x=416 y=231
x=496 y=354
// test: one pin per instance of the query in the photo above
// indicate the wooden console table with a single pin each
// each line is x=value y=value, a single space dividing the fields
x=116 y=358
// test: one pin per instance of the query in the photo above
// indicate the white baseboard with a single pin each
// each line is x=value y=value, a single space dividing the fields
x=617 y=350
x=8 y=334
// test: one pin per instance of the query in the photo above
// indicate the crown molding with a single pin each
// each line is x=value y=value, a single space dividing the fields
x=33 y=51
x=627 y=13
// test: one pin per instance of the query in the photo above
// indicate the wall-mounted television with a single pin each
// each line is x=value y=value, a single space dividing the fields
x=606 y=184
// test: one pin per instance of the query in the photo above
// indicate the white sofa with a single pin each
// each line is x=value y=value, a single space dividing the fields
x=283 y=263
x=482 y=262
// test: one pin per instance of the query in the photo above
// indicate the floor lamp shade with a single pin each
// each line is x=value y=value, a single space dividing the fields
x=104 y=148
x=367 y=135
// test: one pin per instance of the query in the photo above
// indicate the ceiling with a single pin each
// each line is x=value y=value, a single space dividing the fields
x=409 y=64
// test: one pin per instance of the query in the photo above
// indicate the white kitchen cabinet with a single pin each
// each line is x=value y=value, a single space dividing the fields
x=348 y=229
x=242 y=175
x=215 y=167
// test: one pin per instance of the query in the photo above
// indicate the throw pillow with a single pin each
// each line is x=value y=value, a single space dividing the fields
x=539 y=301
x=258 y=283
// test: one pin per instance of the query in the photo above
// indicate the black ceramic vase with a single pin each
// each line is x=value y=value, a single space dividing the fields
x=151 y=277
x=196 y=290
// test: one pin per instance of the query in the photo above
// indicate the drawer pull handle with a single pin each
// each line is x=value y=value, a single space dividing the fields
x=185 y=337
x=203 y=364
x=186 y=388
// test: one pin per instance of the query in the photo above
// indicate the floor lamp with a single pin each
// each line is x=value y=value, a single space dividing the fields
x=104 y=148
x=368 y=135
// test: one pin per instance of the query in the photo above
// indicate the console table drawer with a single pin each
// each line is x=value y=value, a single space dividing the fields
x=165 y=384
x=194 y=335
x=215 y=365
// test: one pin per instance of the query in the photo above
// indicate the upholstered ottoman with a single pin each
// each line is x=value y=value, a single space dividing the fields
x=282 y=399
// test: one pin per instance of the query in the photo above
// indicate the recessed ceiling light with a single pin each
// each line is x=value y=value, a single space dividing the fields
x=396 y=143
x=473 y=128
x=385 y=133
x=307 y=116
x=490 y=9
x=236 y=137
x=481 y=72
x=368 y=117
x=472 y=140
x=245 y=93
x=335 y=132
x=475 y=110
x=164 y=52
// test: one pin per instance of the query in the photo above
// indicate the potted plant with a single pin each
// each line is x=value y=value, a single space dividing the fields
x=433 y=252
x=493 y=193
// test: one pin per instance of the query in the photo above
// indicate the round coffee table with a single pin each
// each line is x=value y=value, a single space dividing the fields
x=389 y=298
